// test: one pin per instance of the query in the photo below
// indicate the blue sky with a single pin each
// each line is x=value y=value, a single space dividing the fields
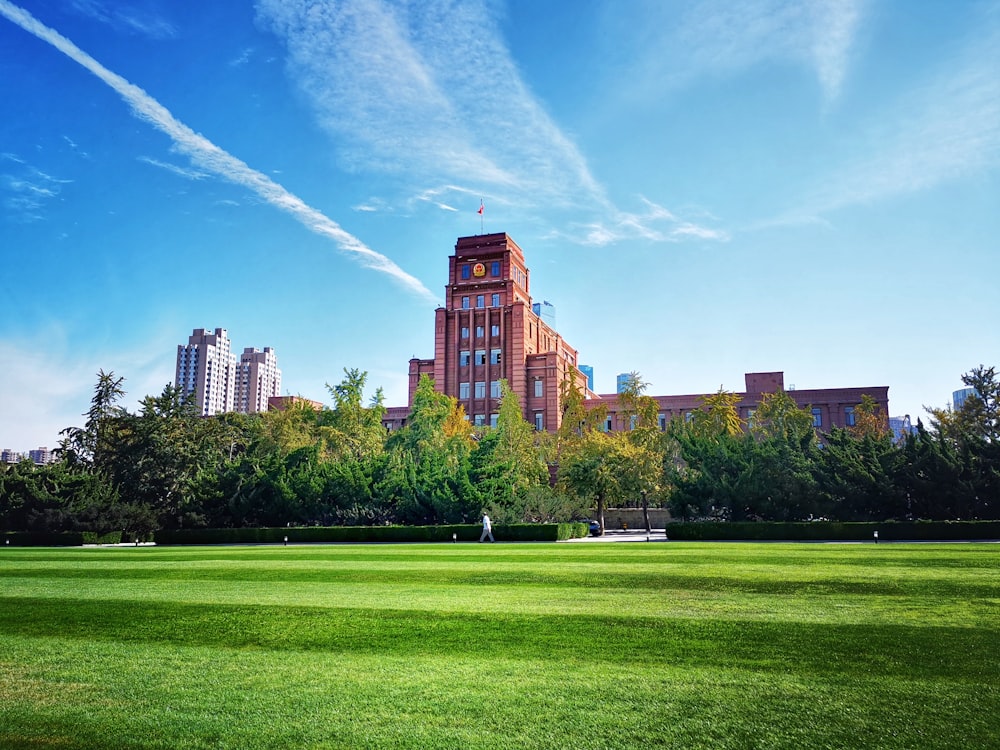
x=702 y=189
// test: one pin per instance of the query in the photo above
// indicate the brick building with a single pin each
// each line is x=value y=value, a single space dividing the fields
x=488 y=331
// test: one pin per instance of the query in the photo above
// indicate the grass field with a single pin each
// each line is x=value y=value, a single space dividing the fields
x=502 y=646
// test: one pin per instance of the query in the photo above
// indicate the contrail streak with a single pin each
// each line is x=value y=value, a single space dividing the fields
x=208 y=156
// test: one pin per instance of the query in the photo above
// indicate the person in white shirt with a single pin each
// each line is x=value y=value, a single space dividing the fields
x=487 y=529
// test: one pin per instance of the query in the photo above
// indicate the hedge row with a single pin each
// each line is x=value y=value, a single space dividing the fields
x=916 y=531
x=59 y=539
x=368 y=534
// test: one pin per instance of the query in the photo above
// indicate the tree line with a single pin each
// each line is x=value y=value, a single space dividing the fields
x=166 y=467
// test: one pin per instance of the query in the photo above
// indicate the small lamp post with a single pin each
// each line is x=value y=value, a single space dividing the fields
x=454 y=537
x=286 y=540
x=875 y=535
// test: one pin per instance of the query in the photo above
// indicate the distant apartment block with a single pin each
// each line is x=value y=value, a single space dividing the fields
x=257 y=380
x=206 y=367
x=40 y=455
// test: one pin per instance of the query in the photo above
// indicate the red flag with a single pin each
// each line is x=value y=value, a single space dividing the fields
x=480 y=211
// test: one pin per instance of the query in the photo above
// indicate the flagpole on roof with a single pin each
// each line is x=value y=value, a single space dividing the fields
x=482 y=211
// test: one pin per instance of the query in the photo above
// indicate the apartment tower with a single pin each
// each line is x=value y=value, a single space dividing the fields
x=257 y=379
x=206 y=367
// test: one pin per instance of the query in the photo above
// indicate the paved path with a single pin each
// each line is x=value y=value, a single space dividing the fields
x=616 y=535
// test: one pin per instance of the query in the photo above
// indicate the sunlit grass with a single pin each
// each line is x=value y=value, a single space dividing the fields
x=533 y=646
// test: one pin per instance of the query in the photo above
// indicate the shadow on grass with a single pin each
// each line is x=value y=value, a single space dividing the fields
x=889 y=649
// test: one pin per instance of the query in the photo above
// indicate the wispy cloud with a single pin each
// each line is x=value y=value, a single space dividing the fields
x=655 y=223
x=947 y=129
x=26 y=190
x=206 y=155
x=432 y=91
x=131 y=17
x=723 y=37
x=190 y=174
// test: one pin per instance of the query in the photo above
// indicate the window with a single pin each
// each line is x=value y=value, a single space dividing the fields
x=688 y=416
x=463 y=359
x=496 y=300
x=465 y=332
x=662 y=421
x=495 y=329
x=607 y=424
x=849 y=416
x=539 y=421
x=479 y=332
x=494 y=389
x=466 y=272
x=463 y=390
x=632 y=420
x=495 y=268
x=480 y=420
x=817 y=417
x=465 y=303
x=494 y=356
x=493 y=419
x=480 y=389
x=480 y=356
x=480 y=300
x=539 y=388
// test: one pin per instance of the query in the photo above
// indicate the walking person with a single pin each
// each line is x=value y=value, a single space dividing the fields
x=487 y=529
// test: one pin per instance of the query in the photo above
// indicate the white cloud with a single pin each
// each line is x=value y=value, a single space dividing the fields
x=191 y=174
x=947 y=129
x=131 y=17
x=724 y=37
x=431 y=91
x=44 y=392
x=26 y=191
x=206 y=155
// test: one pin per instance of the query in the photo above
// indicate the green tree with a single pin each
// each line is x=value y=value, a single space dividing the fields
x=507 y=464
x=353 y=429
x=718 y=415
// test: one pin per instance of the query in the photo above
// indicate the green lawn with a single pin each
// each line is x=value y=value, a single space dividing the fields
x=502 y=646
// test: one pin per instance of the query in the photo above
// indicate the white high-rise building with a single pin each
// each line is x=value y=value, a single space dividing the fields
x=257 y=379
x=206 y=367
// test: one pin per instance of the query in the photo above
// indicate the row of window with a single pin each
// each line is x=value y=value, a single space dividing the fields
x=479 y=420
x=480 y=359
x=481 y=301
x=817 y=416
x=480 y=330
x=468 y=269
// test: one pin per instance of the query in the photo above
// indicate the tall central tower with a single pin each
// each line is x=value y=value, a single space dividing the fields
x=487 y=332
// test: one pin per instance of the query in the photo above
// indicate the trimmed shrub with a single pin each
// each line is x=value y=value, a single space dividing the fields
x=44 y=539
x=372 y=534
x=915 y=531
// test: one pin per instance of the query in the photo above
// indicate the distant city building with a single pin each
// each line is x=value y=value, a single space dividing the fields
x=901 y=428
x=40 y=456
x=489 y=330
x=206 y=367
x=257 y=380
x=622 y=381
x=959 y=397
x=8 y=456
x=546 y=311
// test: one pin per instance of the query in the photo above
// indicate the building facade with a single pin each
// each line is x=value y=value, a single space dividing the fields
x=830 y=407
x=257 y=380
x=206 y=367
x=489 y=331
